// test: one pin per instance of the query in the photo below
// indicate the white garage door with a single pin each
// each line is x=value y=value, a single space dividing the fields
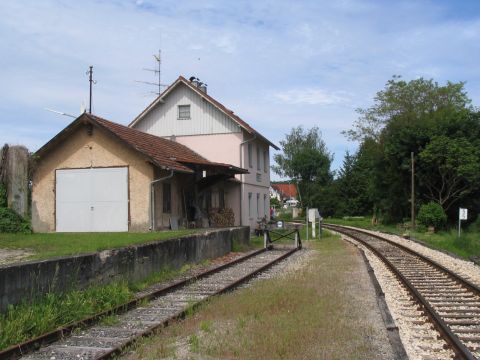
x=89 y=200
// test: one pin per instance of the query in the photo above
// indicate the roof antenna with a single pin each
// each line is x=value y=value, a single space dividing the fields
x=90 y=79
x=158 y=59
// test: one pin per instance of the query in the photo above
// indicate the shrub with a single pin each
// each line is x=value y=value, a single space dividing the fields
x=11 y=222
x=432 y=214
x=3 y=195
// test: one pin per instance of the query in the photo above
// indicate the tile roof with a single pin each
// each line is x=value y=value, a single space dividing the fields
x=162 y=152
x=286 y=190
x=209 y=98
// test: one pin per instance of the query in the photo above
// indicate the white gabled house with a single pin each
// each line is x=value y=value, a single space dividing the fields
x=185 y=113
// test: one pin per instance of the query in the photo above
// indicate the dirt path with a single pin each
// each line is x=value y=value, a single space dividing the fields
x=9 y=256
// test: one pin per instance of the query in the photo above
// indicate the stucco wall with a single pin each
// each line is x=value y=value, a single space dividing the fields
x=81 y=150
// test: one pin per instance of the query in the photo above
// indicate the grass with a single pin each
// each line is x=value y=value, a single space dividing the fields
x=467 y=246
x=308 y=314
x=48 y=245
x=27 y=320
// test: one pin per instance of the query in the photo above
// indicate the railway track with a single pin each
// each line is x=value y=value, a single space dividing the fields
x=145 y=315
x=451 y=302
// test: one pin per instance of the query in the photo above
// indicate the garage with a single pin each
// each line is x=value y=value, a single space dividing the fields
x=90 y=200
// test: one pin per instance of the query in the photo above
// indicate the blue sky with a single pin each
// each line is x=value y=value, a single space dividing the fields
x=277 y=64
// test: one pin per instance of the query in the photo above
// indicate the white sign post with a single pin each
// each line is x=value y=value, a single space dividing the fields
x=462 y=215
x=313 y=215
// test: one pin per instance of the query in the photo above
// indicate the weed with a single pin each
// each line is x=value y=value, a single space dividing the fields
x=109 y=320
x=206 y=326
x=194 y=343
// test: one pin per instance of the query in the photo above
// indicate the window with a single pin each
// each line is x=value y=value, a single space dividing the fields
x=265 y=208
x=258 y=158
x=265 y=161
x=221 y=199
x=259 y=177
x=208 y=199
x=250 y=204
x=250 y=155
x=258 y=205
x=183 y=112
x=167 y=198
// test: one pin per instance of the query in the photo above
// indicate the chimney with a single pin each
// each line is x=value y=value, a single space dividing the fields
x=198 y=84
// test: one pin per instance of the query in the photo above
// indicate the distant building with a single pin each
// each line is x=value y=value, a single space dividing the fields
x=185 y=113
x=287 y=194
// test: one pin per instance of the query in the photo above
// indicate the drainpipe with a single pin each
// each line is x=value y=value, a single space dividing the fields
x=152 y=198
x=242 y=177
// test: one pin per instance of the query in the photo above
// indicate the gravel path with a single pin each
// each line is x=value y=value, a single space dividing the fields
x=418 y=336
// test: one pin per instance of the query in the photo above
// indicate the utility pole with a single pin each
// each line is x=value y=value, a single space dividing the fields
x=90 y=79
x=413 y=190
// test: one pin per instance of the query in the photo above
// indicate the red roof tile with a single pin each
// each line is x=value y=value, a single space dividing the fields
x=162 y=152
x=286 y=190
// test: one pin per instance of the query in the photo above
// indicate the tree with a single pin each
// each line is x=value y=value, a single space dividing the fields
x=450 y=169
x=407 y=116
x=306 y=159
x=413 y=101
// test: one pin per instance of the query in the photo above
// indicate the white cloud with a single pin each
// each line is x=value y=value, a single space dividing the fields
x=311 y=96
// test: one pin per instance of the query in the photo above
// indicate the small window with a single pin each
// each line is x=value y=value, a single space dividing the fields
x=259 y=177
x=250 y=155
x=221 y=198
x=265 y=161
x=250 y=204
x=167 y=198
x=208 y=199
x=259 y=166
x=183 y=112
x=258 y=205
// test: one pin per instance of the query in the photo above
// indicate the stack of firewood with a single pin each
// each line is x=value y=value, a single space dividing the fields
x=222 y=217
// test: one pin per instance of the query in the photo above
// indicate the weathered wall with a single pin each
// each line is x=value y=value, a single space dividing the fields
x=14 y=175
x=31 y=279
x=82 y=150
x=17 y=179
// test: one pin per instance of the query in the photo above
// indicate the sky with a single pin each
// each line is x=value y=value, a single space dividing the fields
x=277 y=64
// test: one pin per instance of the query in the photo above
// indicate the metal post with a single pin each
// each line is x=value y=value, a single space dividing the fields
x=413 y=191
x=296 y=239
x=459 y=224
x=320 y=226
x=314 y=235
x=90 y=79
x=307 y=222
x=265 y=239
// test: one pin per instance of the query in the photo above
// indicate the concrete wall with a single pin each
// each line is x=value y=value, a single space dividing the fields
x=28 y=280
x=82 y=150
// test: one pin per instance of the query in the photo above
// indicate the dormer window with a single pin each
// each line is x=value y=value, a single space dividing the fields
x=183 y=112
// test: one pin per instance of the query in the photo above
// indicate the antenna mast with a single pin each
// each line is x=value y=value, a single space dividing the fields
x=158 y=59
x=90 y=79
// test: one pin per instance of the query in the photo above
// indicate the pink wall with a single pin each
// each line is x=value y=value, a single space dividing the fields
x=222 y=148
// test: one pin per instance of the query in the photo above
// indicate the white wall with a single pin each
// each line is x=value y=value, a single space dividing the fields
x=162 y=120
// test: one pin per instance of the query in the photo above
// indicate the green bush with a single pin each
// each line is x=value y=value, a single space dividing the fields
x=432 y=214
x=3 y=195
x=11 y=222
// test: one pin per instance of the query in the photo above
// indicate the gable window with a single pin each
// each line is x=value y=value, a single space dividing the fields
x=183 y=112
x=167 y=198
x=259 y=159
x=250 y=155
x=265 y=161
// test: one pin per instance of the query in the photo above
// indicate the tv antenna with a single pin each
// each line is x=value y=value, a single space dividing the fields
x=91 y=81
x=158 y=59
x=61 y=113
